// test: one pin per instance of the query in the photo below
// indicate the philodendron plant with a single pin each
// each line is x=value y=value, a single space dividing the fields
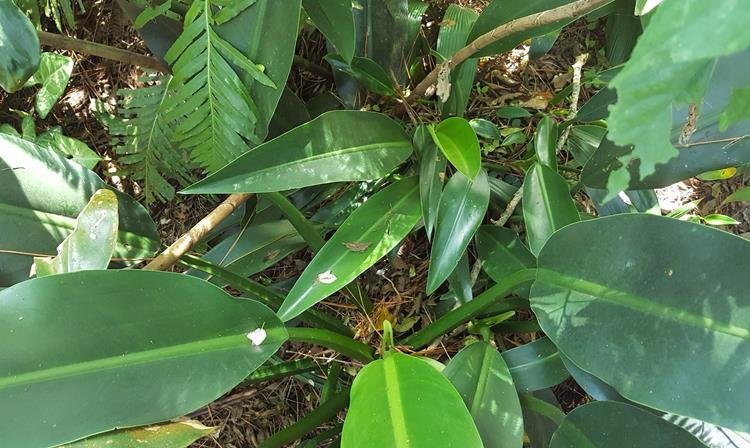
x=649 y=314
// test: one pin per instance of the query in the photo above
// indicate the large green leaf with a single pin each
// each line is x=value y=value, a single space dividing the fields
x=502 y=11
x=502 y=252
x=366 y=71
x=454 y=30
x=19 y=57
x=535 y=365
x=254 y=248
x=178 y=434
x=670 y=66
x=458 y=141
x=92 y=242
x=404 y=402
x=127 y=347
x=707 y=149
x=432 y=166
x=337 y=146
x=42 y=193
x=334 y=19
x=462 y=208
x=657 y=308
x=369 y=233
x=71 y=148
x=609 y=424
x=53 y=75
x=622 y=30
x=482 y=378
x=547 y=205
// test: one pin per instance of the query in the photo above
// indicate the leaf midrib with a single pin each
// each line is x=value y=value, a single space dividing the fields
x=395 y=406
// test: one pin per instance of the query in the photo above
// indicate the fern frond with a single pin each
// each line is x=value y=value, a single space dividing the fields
x=215 y=113
x=143 y=138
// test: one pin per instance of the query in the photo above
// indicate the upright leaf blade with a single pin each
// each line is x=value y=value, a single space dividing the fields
x=363 y=239
x=432 y=166
x=42 y=194
x=462 y=208
x=334 y=19
x=482 y=378
x=330 y=148
x=156 y=346
x=454 y=30
x=417 y=407
x=674 y=305
x=19 y=58
x=547 y=205
x=618 y=425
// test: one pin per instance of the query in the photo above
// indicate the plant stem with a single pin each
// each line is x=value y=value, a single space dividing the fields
x=323 y=413
x=542 y=408
x=569 y=11
x=316 y=242
x=186 y=242
x=468 y=311
x=101 y=50
x=264 y=294
x=282 y=370
x=342 y=344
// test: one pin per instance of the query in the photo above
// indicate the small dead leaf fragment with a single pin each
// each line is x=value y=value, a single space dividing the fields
x=257 y=336
x=356 y=246
x=326 y=277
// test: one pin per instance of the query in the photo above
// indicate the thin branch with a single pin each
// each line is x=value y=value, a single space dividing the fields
x=566 y=12
x=101 y=50
x=577 y=68
x=183 y=244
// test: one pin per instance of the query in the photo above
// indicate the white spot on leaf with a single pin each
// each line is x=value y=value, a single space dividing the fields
x=326 y=277
x=257 y=336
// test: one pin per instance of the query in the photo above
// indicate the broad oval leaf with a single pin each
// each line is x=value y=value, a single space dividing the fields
x=432 y=166
x=610 y=424
x=369 y=233
x=92 y=242
x=42 y=193
x=535 y=365
x=19 y=58
x=337 y=146
x=53 y=75
x=461 y=210
x=335 y=20
x=458 y=141
x=128 y=347
x=547 y=205
x=402 y=401
x=482 y=378
x=179 y=434
x=674 y=304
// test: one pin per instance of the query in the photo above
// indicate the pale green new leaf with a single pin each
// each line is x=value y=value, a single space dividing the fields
x=670 y=65
x=53 y=75
x=143 y=138
x=216 y=115
x=91 y=244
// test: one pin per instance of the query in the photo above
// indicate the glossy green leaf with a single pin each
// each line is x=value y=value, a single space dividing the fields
x=583 y=140
x=290 y=113
x=19 y=58
x=458 y=142
x=461 y=210
x=502 y=252
x=541 y=45
x=415 y=407
x=502 y=11
x=609 y=424
x=481 y=377
x=622 y=30
x=541 y=420
x=597 y=107
x=737 y=110
x=72 y=148
x=485 y=128
x=178 y=434
x=42 y=194
x=156 y=345
x=368 y=73
x=53 y=75
x=547 y=205
x=511 y=112
x=92 y=242
x=330 y=148
x=716 y=219
x=431 y=174
x=460 y=280
x=334 y=19
x=643 y=7
x=545 y=142
x=370 y=232
x=383 y=28
x=454 y=30
x=671 y=46
x=536 y=365
x=741 y=194
x=673 y=304
x=254 y=248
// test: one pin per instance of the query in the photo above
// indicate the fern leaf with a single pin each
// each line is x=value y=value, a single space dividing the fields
x=143 y=137
x=215 y=113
